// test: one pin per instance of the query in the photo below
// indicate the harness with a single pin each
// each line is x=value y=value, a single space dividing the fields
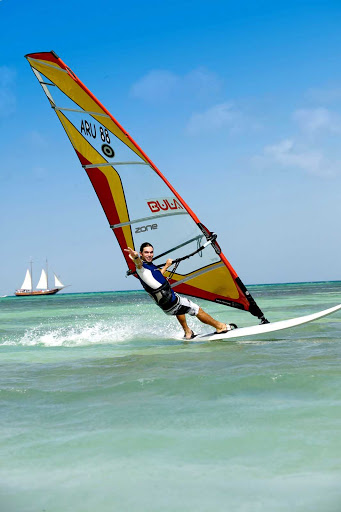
x=165 y=302
x=163 y=295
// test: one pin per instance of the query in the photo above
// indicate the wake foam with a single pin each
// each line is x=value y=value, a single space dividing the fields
x=123 y=331
x=98 y=333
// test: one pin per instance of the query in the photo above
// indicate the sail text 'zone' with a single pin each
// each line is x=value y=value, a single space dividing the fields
x=142 y=229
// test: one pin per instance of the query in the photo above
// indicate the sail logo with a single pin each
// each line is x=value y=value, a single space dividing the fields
x=142 y=229
x=165 y=204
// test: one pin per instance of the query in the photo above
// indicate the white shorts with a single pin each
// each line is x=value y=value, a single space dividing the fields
x=183 y=306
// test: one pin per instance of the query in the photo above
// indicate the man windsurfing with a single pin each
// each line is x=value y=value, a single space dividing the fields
x=154 y=282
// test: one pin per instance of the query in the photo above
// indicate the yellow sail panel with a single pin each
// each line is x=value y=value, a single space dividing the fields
x=68 y=83
x=38 y=62
x=214 y=279
x=217 y=281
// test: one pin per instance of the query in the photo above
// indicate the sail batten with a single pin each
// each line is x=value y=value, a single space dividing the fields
x=135 y=221
x=139 y=202
x=92 y=166
x=196 y=274
x=61 y=109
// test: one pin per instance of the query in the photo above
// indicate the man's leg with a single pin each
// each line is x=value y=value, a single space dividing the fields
x=183 y=323
x=205 y=318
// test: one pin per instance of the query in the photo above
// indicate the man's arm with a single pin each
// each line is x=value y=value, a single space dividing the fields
x=167 y=264
x=134 y=255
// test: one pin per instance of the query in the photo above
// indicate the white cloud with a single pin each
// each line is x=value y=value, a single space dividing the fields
x=288 y=155
x=317 y=120
x=7 y=97
x=327 y=95
x=162 y=85
x=155 y=86
x=202 y=82
x=223 y=115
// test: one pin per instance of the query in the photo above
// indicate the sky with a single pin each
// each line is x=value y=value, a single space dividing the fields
x=237 y=103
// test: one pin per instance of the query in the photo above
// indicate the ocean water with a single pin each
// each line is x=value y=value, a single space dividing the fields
x=104 y=408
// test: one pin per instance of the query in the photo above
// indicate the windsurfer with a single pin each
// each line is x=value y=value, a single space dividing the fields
x=153 y=281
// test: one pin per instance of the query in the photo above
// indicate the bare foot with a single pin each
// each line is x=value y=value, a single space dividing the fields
x=189 y=335
x=222 y=328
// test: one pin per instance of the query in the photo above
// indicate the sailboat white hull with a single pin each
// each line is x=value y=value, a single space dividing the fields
x=259 y=330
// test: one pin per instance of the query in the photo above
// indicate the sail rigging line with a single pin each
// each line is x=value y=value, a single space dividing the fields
x=174 y=269
x=123 y=197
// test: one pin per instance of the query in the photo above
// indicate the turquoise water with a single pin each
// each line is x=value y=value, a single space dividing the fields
x=104 y=408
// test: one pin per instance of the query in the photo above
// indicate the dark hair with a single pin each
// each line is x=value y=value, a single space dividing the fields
x=145 y=244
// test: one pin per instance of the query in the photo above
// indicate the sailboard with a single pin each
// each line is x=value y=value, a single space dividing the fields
x=261 y=330
x=139 y=202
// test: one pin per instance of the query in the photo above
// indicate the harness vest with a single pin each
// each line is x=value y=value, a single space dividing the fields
x=157 y=286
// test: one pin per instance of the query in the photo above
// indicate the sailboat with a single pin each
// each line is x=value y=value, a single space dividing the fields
x=42 y=287
x=139 y=202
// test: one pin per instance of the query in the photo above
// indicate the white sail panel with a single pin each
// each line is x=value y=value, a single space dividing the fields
x=57 y=282
x=27 y=284
x=42 y=284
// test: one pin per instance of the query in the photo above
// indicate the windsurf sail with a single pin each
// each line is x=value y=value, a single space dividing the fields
x=139 y=202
